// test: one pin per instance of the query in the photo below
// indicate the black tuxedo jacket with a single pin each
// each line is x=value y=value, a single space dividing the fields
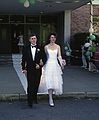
x=27 y=60
x=33 y=74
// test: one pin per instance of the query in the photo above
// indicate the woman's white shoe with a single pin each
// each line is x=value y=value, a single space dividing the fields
x=51 y=103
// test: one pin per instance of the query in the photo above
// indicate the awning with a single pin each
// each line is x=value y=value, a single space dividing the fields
x=39 y=6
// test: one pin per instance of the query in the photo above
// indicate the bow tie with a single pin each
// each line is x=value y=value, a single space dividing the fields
x=33 y=46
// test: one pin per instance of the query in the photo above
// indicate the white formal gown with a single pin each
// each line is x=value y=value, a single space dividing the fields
x=51 y=74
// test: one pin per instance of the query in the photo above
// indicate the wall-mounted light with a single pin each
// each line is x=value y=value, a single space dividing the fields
x=1 y=19
x=26 y=3
x=58 y=2
x=76 y=1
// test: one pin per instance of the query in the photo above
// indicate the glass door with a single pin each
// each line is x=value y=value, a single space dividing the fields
x=16 y=31
x=46 y=28
x=4 y=39
x=32 y=29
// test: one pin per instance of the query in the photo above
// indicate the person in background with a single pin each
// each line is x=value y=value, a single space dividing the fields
x=20 y=43
x=68 y=53
x=84 y=64
x=87 y=52
x=92 y=66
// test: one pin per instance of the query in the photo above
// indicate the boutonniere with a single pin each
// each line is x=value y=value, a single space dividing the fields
x=38 y=50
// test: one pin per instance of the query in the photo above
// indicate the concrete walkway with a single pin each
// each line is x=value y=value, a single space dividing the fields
x=77 y=81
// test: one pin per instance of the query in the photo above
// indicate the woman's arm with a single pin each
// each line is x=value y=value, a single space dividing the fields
x=61 y=61
x=44 y=56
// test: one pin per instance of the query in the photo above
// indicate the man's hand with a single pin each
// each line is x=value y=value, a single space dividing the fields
x=37 y=66
x=41 y=62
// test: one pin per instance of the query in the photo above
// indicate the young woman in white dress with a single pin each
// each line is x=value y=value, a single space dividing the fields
x=51 y=80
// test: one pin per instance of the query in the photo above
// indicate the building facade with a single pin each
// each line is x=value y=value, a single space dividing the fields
x=11 y=26
x=80 y=20
x=41 y=17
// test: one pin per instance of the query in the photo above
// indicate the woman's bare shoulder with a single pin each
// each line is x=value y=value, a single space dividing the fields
x=46 y=46
x=58 y=46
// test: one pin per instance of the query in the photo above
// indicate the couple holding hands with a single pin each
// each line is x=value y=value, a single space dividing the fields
x=43 y=68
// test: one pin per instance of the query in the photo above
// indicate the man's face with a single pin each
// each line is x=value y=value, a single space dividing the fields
x=33 y=40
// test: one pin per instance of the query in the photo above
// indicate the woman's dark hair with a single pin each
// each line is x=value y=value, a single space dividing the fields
x=50 y=36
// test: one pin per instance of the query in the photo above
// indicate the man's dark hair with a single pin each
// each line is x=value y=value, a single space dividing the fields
x=33 y=35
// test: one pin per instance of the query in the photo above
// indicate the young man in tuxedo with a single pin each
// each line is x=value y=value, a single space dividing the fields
x=32 y=65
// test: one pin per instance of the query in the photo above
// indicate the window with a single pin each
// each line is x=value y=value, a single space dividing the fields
x=4 y=19
x=16 y=19
x=32 y=19
x=96 y=24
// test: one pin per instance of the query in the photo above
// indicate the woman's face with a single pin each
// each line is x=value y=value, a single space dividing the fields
x=52 y=39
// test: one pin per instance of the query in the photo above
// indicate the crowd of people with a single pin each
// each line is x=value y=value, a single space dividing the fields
x=90 y=55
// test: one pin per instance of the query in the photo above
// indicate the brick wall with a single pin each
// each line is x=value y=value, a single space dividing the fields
x=80 y=19
x=96 y=19
x=96 y=10
x=80 y=23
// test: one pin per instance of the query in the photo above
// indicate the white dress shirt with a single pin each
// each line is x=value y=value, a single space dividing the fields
x=33 y=50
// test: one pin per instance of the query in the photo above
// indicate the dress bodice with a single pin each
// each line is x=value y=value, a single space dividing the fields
x=52 y=55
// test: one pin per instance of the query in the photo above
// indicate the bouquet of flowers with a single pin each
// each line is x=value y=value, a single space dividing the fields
x=67 y=49
x=63 y=62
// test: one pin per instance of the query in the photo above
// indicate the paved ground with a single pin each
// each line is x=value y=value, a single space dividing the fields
x=9 y=81
x=77 y=82
x=77 y=79
x=65 y=109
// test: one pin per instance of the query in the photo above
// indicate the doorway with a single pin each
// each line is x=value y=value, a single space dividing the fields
x=16 y=30
x=45 y=29
x=32 y=29
x=4 y=39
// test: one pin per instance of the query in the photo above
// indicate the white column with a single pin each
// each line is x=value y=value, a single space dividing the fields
x=91 y=18
x=67 y=25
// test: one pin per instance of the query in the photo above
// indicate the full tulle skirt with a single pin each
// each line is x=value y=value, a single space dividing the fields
x=51 y=78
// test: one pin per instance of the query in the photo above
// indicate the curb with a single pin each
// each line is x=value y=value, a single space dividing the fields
x=11 y=97
x=82 y=94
